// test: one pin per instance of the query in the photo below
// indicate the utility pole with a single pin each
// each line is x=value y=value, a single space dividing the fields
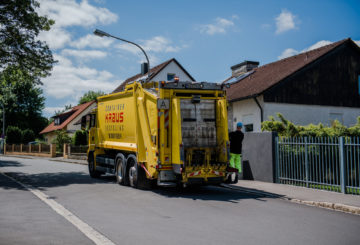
x=3 y=128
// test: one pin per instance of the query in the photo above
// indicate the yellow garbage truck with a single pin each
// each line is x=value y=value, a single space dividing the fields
x=168 y=133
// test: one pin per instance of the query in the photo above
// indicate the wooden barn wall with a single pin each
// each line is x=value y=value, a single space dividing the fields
x=332 y=80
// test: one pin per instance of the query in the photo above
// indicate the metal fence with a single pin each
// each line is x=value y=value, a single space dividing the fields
x=323 y=163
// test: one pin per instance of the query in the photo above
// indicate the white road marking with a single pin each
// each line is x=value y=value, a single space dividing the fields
x=88 y=231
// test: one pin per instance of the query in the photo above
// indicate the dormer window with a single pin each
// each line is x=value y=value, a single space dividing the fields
x=57 y=121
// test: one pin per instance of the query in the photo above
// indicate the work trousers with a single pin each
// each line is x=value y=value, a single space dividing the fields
x=235 y=161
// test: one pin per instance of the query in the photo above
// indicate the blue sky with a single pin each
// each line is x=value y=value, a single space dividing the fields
x=206 y=37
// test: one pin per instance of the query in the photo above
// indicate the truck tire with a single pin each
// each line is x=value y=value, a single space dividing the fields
x=132 y=166
x=91 y=164
x=120 y=170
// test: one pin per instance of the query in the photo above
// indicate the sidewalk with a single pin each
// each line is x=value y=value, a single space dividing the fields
x=55 y=159
x=313 y=197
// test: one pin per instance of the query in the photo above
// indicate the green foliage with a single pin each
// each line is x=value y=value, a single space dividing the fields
x=90 y=96
x=80 y=138
x=61 y=138
x=286 y=128
x=13 y=135
x=20 y=47
x=22 y=99
x=27 y=136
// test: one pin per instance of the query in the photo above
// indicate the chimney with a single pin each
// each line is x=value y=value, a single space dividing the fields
x=144 y=68
x=243 y=67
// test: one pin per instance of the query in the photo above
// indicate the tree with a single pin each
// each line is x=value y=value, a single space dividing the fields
x=80 y=138
x=22 y=99
x=61 y=138
x=19 y=28
x=27 y=136
x=24 y=60
x=13 y=135
x=90 y=96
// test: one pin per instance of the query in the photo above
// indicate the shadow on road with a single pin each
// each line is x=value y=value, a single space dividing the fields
x=47 y=180
x=11 y=164
x=213 y=193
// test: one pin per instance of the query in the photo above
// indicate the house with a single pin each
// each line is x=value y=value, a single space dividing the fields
x=317 y=86
x=67 y=120
x=165 y=71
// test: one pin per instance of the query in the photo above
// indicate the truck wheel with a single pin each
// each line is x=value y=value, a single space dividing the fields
x=133 y=171
x=120 y=169
x=91 y=164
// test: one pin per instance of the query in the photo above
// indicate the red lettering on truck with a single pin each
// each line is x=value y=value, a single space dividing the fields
x=114 y=117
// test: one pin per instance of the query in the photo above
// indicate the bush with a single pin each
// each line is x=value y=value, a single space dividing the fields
x=286 y=128
x=80 y=138
x=61 y=138
x=13 y=135
x=27 y=136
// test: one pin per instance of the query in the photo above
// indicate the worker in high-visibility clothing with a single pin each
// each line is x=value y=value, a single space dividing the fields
x=236 y=139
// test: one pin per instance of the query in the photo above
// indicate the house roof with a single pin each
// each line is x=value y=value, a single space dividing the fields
x=75 y=111
x=153 y=72
x=264 y=77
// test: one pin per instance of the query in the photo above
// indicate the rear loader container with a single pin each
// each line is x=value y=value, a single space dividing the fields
x=168 y=133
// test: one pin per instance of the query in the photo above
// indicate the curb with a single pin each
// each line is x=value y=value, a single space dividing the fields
x=50 y=159
x=332 y=206
x=80 y=163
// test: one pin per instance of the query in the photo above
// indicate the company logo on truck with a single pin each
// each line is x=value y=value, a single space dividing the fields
x=114 y=117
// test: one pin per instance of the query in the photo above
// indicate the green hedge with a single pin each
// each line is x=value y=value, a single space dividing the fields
x=288 y=129
x=15 y=135
x=80 y=138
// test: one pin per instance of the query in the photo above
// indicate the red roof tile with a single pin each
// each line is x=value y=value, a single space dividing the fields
x=264 y=77
x=76 y=110
x=153 y=72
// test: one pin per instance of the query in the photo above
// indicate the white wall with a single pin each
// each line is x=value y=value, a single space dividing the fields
x=246 y=111
x=172 y=68
x=306 y=114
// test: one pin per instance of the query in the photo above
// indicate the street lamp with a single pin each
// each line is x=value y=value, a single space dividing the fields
x=100 y=33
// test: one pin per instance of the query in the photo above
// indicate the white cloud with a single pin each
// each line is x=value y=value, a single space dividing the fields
x=290 y=52
x=56 y=38
x=221 y=26
x=357 y=42
x=160 y=44
x=69 y=80
x=92 y=41
x=317 y=45
x=51 y=110
x=287 y=53
x=153 y=46
x=84 y=54
x=285 y=22
x=71 y=13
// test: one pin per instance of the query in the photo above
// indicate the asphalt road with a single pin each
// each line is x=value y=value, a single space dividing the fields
x=208 y=215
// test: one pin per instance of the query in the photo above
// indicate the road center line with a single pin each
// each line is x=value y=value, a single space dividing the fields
x=86 y=229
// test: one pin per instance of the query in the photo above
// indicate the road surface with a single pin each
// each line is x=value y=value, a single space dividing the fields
x=123 y=215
